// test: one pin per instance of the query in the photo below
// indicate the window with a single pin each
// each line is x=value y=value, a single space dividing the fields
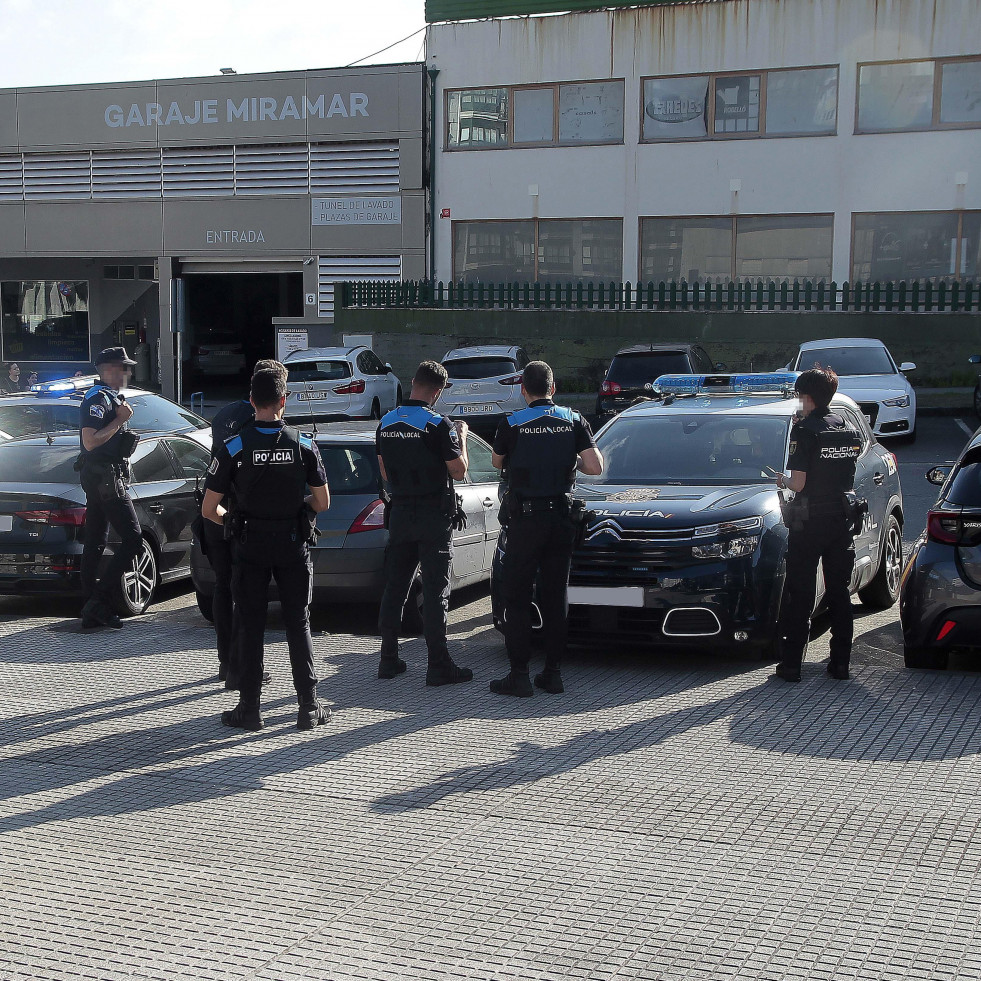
x=351 y=469
x=557 y=114
x=778 y=102
x=848 y=360
x=33 y=463
x=914 y=95
x=192 y=458
x=155 y=414
x=152 y=463
x=919 y=245
x=768 y=247
x=468 y=369
x=45 y=320
x=312 y=371
x=481 y=470
x=549 y=250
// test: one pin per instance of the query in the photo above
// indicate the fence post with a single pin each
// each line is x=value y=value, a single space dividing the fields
x=968 y=297
x=942 y=297
x=889 y=292
x=955 y=296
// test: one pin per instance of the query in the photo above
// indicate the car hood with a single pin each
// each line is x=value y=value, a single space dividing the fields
x=675 y=506
x=871 y=388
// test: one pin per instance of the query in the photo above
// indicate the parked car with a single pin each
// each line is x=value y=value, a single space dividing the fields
x=867 y=374
x=940 y=600
x=484 y=384
x=975 y=359
x=684 y=545
x=330 y=383
x=218 y=352
x=52 y=407
x=348 y=559
x=633 y=371
x=42 y=515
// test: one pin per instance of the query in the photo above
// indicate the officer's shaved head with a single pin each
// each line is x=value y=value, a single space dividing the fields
x=268 y=388
x=820 y=384
x=537 y=379
x=268 y=364
x=430 y=376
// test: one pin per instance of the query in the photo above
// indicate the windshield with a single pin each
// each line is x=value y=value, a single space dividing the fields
x=155 y=414
x=468 y=368
x=33 y=463
x=312 y=371
x=351 y=469
x=848 y=360
x=693 y=448
x=635 y=370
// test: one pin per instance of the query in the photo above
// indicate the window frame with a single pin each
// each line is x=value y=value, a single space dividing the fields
x=938 y=74
x=761 y=133
x=509 y=143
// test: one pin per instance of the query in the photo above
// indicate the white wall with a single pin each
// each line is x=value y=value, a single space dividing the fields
x=842 y=174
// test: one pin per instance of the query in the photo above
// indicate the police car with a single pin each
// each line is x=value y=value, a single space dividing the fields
x=684 y=544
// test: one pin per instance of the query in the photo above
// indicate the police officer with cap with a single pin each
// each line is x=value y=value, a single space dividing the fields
x=103 y=464
x=267 y=467
x=822 y=459
x=420 y=454
x=541 y=446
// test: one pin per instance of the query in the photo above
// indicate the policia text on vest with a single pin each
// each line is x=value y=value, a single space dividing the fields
x=541 y=447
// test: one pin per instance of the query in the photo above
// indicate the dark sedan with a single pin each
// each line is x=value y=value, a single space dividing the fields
x=42 y=515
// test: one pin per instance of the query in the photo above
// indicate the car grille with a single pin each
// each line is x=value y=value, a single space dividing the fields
x=646 y=536
x=871 y=409
x=691 y=622
x=615 y=567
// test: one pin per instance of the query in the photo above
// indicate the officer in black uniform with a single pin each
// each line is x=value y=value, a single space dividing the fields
x=541 y=447
x=823 y=451
x=106 y=446
x=228 y=421
x=420 y=454
x=267 y=468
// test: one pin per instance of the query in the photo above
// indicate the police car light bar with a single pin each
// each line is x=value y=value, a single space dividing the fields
x=775 y=382
x=63 y=386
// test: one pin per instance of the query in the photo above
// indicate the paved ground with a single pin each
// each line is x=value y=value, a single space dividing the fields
x=665 y=819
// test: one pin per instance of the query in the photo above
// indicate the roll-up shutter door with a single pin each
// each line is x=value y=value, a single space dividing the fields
x=338 y=269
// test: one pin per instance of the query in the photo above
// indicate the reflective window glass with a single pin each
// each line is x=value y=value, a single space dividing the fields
x=477 y=117
x=350 y=468
x=803 y=101
x=685 y=248
x=676 y=108
x=151 y=463
x=580 y=251
x=785 y=247
x=895 y=96
x=45 y=320
x=970 y=268
x=481 y=470
x=591 y=112
x=904 y=246
x=737 y=104
x=494 y=251
x=191 y=457
x=534 y=115
x=960 y=92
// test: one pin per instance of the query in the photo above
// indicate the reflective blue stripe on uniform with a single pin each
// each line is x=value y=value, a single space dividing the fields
x=97 y=388
x=234 y=445
x=416 y=416
x=306 y=441
x=532 y=413
x=268 y=432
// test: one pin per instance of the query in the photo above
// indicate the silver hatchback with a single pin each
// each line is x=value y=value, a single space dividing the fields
x=484 y=383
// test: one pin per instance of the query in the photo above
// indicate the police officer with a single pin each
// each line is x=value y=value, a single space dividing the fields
x=420 y=454
x=103 y=464
x=541 y=447
x=227 y=422
x=823 y=451
x=267 y=468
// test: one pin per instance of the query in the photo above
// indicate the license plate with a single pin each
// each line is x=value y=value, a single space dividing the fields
x=311 y=396
x=606 y=596
x=6 y=522
x=473 y=409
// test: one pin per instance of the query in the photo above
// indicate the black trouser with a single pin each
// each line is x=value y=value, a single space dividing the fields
x=107 y=505
x=537 y=542
x=227 y=624
x=827 y=538
x=419 y=535
x=263 y=555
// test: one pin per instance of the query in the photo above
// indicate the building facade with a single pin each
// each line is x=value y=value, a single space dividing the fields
x=773 y=140
x=173 y=213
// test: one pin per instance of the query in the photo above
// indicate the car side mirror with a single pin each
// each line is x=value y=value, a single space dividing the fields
x=907 y=366
x=937 y=475
x=974 y=359
x=721 y=366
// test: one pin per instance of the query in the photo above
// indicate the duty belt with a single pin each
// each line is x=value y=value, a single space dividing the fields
x=536 y=505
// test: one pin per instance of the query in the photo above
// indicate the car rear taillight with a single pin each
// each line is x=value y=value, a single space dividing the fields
x=943 y=527
x=370 y=519
x=352 y=388
x=610 y=388
x=59 y=516
x=510 y=380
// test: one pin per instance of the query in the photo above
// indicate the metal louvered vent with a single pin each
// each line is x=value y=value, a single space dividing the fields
x=11 y=177
x=126 y=174
x=340 y=269
x=272 y=169
x=57 y=175
x=354 y=168
x=198 y=171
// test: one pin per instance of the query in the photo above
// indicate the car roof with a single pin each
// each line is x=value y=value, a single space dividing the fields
x=324 y=352
x=842 y=342
x=732 y=403
x=481 y=350
x=656 y=348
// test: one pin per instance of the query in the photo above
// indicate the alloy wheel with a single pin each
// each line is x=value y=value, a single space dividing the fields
x=140 y=580
x=893 y=559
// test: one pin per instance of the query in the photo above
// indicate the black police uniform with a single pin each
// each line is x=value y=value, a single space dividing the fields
x=267 y=467
x=104 y=474
x=823 y=447
x=541 y=445
x=228 y=421
x=415 y=444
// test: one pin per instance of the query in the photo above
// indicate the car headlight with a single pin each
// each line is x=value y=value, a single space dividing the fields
x=726 y=527
x=901 y=403
x=733 y=548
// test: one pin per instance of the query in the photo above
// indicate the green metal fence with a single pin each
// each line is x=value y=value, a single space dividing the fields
x=759 y=296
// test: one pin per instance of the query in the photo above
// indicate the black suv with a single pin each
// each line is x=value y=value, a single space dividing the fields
x=633 y=370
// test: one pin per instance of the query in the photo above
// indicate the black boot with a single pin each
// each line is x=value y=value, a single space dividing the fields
x=445 y=672
x=550 y=680
x=787 y=671
x=222 y=672
x=390 y=666
x=312 y=713
x=98 y=613
x=838 y=670
x=243 y=717
x=513 y=683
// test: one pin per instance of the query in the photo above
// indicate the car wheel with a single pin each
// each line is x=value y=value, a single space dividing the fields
x=206 y=604
x=376 y=412
x=398 y=396
x=412 y=619
x=138 y=585
x=925 y=658
x=883 y=591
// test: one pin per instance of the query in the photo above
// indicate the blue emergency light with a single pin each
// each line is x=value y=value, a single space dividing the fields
x=774 y=382
x=65 y=386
